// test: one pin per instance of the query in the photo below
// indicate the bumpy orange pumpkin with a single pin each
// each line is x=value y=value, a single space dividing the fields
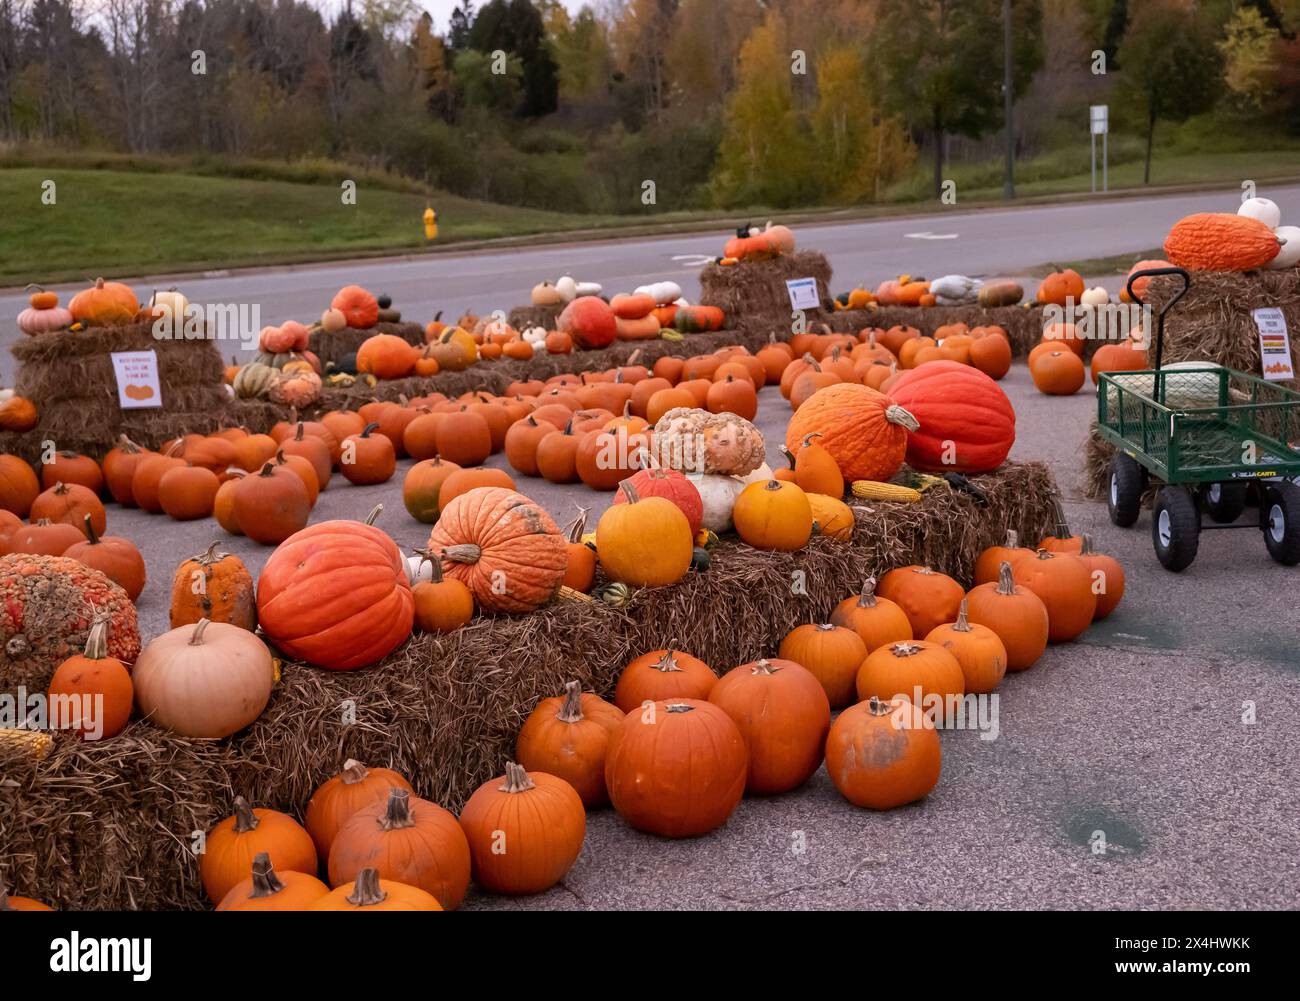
x=1220 y=241
x=864 y=431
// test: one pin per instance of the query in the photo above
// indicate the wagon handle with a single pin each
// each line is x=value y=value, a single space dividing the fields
x=1160 y=320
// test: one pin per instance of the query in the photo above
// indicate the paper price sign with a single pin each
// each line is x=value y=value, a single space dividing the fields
x=803 y=293
x=137 y=379
x=1274 y=344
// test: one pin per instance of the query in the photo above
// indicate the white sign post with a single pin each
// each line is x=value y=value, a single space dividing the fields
x=1099 y=123
x=803 y=293
x=137 y=379
x=1274 y=345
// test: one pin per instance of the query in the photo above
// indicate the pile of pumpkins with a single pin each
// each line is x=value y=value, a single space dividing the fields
x=750 y=243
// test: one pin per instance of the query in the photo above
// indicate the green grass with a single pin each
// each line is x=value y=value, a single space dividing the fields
x=120 y=215
x=1117 y=264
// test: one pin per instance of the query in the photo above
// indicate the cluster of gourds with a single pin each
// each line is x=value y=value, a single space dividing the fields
x=753 y=244
x=383 y=848
x=1251 y=238
x=948 y=290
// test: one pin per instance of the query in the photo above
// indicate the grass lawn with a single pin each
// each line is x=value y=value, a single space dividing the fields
x=124 y=219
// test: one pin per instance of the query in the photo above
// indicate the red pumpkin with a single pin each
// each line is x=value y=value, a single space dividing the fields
x=967 y=423
x=359 y=307
x=336 y=595
x=671 y=485
x=589 y=321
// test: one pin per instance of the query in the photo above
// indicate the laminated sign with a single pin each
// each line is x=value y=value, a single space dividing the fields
x=137 y=379
x=803 y=293
x=1274 y=345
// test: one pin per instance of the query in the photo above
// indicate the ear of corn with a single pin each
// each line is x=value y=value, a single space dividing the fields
x=567 y=593
x=37 y=743
x=876 y=490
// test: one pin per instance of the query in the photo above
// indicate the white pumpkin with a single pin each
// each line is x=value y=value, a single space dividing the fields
x=719 y=495
x=760 y=475
x=418 y=570
x=1095 y=296
x=535 y=335
x=1263 y=209
x=568 y=288
x=589 y=288
x=1289 y=255
x=661 y=292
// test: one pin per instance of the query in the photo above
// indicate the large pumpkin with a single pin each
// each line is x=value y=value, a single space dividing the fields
x=864 y=431
x=47 y=607
x=359 y=307
x=1220 y=241
x=504 y=547
x=967 y=424
x=336 y=595
x=589 y=321
x=104 y=304
x=677 y=768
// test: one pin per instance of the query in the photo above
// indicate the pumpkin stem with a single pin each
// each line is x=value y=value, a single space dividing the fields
x=924 y=571
x=60 y=489
x=245 y=819
x=629 y=491
x=678 y=707
x=962 y=625
x=1006 y=583
x=771 y=485
x=297 y=436
x=398 y=814
x=97 y=640
x=268 y=470
x=895 y=414
x=464 y=552
x=435 y=565
x=211 y=556
x=196 y=639
x=807 y=439
x=374 y=426
x=667 y=663
x=517 y=779
x=789 y=456
x=571 y=708
x=763 y=666
x=375 y=512
x=353 y=772
x=1044 y=554
x=867 y=599
x=366 y=891
x=127 y=445
x=878 y=707
x=265 y=882
x=1084 y=550
x=579 y=526
x=904 y=649
x=91 y=535
x=825 y=627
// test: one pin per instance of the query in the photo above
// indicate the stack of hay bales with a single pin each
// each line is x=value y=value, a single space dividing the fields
x=753 y=294
x=523 y=317
x=71 y=379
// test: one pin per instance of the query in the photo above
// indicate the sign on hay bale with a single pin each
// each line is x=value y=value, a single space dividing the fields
x=1213 y=321
x=71 y=379
x=331 y=345
x=753 y=294
x=109 y=825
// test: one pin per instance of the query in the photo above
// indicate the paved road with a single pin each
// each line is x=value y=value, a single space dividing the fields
x=988 y=242
x=1136 y=732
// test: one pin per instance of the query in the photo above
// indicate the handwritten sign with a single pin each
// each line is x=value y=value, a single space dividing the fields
x=137 y=379
x=1274 y=344
x=803 y=293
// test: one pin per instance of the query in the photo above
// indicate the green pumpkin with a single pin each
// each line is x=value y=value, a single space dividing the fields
x=274 y=360
x=700 y=559
x=345 y=363
x=253 y=380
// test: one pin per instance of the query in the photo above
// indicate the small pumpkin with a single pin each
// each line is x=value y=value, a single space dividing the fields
x=233 y=844
x=773 y=515
x=1014 y=613
x=568 y=737
x=831 y=653
x=267 y=890
x=271 y=505
x=116 y=558
x=441 y=605
x=421 y=487
x=359 y=308
x=336 y=800
x=978 y=649
x=214 y=585
x=368 y=458
x=1107 y=578
x=883 y=754
x=581 y=571
x=989 y=561
x=927 y=598
x=876 y=620
x=644 y=542
x=919 y=670
x=370 y=893
x=91 y=692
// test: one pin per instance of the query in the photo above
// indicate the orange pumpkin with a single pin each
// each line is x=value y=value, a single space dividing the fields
x=927 y=598
x=568 y=737
x=1064 y=584
x=876 y=620
x=882 y=754
x=864 y=432
x=1014 y=613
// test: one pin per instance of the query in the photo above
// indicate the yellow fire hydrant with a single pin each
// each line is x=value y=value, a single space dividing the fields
x=430 y=224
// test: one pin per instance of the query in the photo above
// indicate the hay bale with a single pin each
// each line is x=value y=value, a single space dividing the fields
x=331 y=345
x=753 y=293
x=1213 y=321
x=108 y=825
x=523 y=317
x=1094 y=478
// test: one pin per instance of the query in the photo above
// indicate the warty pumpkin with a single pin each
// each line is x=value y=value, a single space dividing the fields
x=214 y=585
x=568 y=736
x=882 y=754
x=1064 y=584
x=677 y=768
x=1220 y=241
x=408 y=840
x=662 y=674
x=336 y=595
x=505 y=548
x=267 y=890
x=864 y=431
x=927 y=598
x=831 y=653
x=336 y=800
x=1014 y=613
x=525 y=830
x=876 y=620
x=783 y=716
x=233 y=844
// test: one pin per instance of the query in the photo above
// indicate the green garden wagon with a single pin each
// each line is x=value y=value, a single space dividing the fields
x=1214 y=438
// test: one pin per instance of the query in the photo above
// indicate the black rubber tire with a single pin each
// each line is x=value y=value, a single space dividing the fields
x=1175 y=528
x=1124 y=498
x=1228 y=505
x=1280 y=518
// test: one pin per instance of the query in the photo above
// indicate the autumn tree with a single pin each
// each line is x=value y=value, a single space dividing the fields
x=515 y=27
x=1250 y=49
x=1171 y=68
x=580 y=46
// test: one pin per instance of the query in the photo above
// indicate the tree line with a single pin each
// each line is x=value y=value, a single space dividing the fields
x=715 y=102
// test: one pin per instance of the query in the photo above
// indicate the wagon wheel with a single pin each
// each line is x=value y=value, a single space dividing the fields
x=1124 y=499
x=1280 y=519
x=1224 y=502
x=1175 y=528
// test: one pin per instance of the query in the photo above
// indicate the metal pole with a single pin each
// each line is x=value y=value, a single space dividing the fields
x=1009 y=181
x=1092 y=142
x=1105 y=160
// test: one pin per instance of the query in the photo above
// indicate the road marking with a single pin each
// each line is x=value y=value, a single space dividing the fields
x=692 y=260
x=930 y=236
